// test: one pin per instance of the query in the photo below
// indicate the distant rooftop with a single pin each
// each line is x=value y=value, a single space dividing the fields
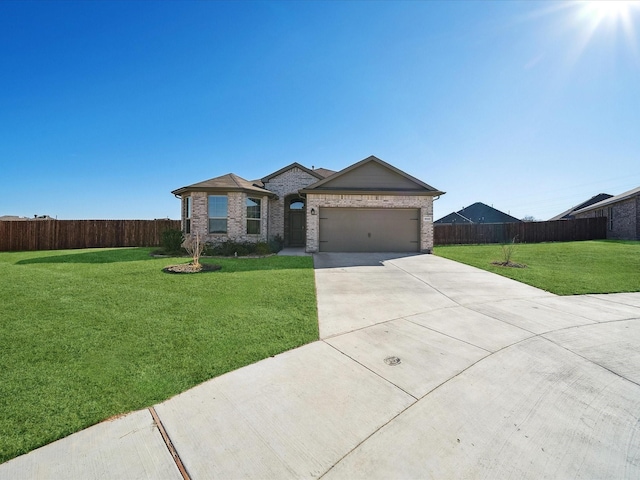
x=568 y=214
x=617 y=198
x=477 y=213
x=14 y=218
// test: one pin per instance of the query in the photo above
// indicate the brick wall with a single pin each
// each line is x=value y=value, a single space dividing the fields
x=424 y=203
x=199 y=216
x=638 y=217
x=287 y=183
x=236 y=218
x=623 y=218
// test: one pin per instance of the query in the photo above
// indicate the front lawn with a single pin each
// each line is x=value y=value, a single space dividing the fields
x=89 y=334
x=571 y=268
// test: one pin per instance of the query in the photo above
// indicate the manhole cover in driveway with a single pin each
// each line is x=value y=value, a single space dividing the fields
x=392 y=361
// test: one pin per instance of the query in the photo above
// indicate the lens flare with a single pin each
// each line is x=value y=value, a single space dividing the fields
x=610 y=9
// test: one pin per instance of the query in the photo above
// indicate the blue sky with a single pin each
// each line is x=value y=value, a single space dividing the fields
x=107 y=106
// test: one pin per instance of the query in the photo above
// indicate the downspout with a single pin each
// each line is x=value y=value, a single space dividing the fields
x=433 y=229
x=179 y=197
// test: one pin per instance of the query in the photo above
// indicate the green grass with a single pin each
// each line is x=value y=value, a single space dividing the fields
x=562 y=268
x=89 y=334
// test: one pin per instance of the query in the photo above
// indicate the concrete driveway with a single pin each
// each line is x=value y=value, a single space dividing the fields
x=426 y=368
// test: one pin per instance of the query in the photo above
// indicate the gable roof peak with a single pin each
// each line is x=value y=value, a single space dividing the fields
x=332 y=182
x=319 y=176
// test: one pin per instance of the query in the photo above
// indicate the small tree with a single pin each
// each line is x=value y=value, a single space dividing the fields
x=194 y=247
x=507 y=251
x=507 y=254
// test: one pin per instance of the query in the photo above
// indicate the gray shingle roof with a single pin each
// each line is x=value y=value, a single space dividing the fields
x=617 y=198
x=478 y=213
x=569 y=213
x=227 y=183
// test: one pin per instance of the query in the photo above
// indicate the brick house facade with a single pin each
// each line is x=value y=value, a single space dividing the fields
x=369 y=206
x=622 y=212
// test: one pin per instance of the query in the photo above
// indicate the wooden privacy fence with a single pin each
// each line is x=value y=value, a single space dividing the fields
x=524 y=232
x=61 y=234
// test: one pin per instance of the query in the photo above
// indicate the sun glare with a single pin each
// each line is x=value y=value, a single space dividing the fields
x=609 y=9
x=610 y=18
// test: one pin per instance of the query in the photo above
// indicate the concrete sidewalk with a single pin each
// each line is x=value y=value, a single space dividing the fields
x=426 y=368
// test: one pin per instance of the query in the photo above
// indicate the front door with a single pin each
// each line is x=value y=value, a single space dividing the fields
x=296 y=228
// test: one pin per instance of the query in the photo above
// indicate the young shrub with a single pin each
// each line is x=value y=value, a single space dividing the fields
x=507 y=251
x=507 y=255
x=194 y=247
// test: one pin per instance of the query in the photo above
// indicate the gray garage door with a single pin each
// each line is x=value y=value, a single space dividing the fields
x=369 y=230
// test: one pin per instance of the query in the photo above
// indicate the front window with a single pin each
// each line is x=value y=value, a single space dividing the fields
x=187 y=214
x=253 y=216
x=610 y=215
x=217 y=214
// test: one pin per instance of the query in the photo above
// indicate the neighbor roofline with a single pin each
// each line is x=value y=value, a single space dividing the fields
x=465 y=218
x=577 y=207
x=615 y=199
x=440 y=222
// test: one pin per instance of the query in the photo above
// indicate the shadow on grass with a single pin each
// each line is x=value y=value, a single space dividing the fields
x=623 y=242
x=93 y=256
x=120 y=255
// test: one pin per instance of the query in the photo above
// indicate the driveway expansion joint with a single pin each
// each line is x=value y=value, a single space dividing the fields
x=167 y=441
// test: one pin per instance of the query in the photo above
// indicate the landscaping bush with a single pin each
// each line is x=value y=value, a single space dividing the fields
x=276 y=244
x=171 y=241
x=230 y=248
x=262 y=248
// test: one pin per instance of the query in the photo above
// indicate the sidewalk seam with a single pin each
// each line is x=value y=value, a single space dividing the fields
x=169 y=444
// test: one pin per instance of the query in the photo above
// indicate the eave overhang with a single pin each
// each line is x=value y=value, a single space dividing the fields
x=220 y=190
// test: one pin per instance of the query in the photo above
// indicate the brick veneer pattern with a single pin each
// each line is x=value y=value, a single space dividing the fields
x=287 y=183
x=316 y=201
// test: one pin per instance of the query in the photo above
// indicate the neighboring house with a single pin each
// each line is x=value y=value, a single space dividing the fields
x=622 y=212
x=477 y=213
x=569 y=214
x=367 y=207
x=13 y=218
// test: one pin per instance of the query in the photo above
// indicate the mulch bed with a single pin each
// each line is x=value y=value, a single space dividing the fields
x=191 y=268
x=509 y=264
